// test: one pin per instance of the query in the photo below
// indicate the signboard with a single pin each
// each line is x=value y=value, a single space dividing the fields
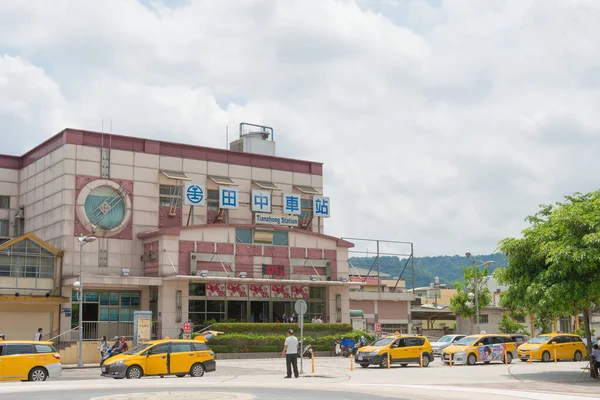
x=65 y=310
x=321 y=206
x=194 y=195
x=187 y=326
x=228 y=198
x=277 y=270
x=292 y=204
x=301 y=307
x=261 y=201
x=280 y=220
x=492 y=352
x=142 y=327
x=378 y=327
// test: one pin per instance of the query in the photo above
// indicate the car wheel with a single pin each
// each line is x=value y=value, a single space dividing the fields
x=180 y=375
x=404 y=365
x=523 y=359
x=546 y=357
x=364 y=365
x=578 y=356
x=384 y=361
x=197 y=370
x=486 y=362
x=134 y=372
x=38 y=374
x=472 y=359
x=508 y=358
x=425 y=361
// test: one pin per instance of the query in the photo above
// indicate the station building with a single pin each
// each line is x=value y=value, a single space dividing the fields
x=188 y=232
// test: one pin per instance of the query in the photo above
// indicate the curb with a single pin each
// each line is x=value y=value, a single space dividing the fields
x=85 y=366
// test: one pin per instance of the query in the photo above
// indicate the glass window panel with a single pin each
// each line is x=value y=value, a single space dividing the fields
x=44 y=348
x=197 y=289
x=113 y=314
x=316 y=293
x=91 y=297
x=114 y=299
x=197 y=318
x=125 y=299
x=104 y=299
x=197 y=305
x=103 y=314
x=126 y=314
x=135 y=299
x=74 y=295
x=18 y=349
x=216 y=317
x=181 y=347
x=280 y=238
x=215 y=306
x=243 y=235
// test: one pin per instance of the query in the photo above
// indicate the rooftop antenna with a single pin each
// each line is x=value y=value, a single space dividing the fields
x=226 y=137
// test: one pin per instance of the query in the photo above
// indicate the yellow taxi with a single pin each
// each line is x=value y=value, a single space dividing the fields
x=543 y=347
x=481 y=348
x=399 y=349
x=27 y=360
x=162 y=357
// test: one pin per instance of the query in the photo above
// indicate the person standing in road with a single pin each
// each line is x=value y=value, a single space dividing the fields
x=290 y=352
x=38 y=335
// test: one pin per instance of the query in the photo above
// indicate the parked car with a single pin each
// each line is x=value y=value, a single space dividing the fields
x=544 y=347
x=162 y=357
x=481 y=348
x=22 y=360
x=398 y=349
x=519 y=339
x=444 y=342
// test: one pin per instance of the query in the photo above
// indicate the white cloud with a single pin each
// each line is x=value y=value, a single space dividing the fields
x=440 y=122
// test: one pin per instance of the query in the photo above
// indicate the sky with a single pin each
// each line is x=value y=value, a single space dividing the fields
x=442 y=123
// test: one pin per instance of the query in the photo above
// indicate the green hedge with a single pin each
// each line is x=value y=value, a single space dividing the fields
x=310 y=329
x=240 y=343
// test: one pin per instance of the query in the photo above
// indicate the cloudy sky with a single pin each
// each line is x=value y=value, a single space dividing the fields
x=443 y=123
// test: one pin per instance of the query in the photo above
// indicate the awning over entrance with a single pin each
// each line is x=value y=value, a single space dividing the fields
x=356 y=314
x=33 y=299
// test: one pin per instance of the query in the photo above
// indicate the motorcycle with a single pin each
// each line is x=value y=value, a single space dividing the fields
x=108 y=354
x=308 y=350
x=337 y=348
x=347 y=347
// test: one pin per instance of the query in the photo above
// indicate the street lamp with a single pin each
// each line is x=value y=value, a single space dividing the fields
x=476 y=295
x=83 y=240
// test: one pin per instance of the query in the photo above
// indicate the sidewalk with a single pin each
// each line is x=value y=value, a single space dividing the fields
x=74 y=366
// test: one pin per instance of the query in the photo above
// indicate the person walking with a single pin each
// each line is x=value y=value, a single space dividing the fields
x=103 y=348
x=38 y=335
x=290 y=352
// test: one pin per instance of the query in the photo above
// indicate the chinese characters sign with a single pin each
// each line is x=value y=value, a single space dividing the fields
x=194 y=195
x=261 y=201
x=277 y=270
x=228 y=198
x=321 y=206
x=292 y=204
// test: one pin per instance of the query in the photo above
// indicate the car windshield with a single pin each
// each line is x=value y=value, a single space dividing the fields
x=445 y=339
x=467 y=341
x=539 y=340
x=138 y=348
x=383 y=342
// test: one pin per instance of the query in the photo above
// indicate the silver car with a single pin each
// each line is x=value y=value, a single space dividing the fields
x=444 y=342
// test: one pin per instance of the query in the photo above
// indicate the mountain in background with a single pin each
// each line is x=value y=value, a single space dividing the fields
x=447 y=268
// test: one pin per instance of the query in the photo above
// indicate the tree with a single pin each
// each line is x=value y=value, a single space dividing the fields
x=508 y=325
x=460 y=303
x=554 y=268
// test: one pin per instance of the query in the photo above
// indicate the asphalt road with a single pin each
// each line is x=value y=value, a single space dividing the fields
x=332 y=380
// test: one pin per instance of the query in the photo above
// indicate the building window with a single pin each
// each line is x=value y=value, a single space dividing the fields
x=280 y=238
x=316 y=293
x=170 y=196
x=105 y=306
x=27 y=259
x=484 y=319
x=391 y=328
x=307 y=208
x=202 y=310
x=212 y=200
x=520 y=319
x=243 y=235
x=197 y=289
x=4 y=227
x=5 y=202
x=105 y=207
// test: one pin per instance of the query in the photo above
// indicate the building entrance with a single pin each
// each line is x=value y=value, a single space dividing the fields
x=237 y=310
x=280 y=308
x=259 y=311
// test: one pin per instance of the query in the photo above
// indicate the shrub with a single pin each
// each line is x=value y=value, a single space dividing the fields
x=279 y=328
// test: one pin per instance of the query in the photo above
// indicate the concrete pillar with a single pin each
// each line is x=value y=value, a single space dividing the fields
x=170 y=317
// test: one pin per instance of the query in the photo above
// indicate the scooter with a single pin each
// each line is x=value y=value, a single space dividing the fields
x=308 y=350
x=337 y=348
x=109 y=353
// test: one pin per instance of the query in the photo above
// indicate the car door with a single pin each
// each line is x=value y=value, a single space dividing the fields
x=484 y=350
x=18 y=360
x=157 y=360
x=414 y=348
x=398 y=350
x=557 y=344
x=182 y=357
x=1 y=363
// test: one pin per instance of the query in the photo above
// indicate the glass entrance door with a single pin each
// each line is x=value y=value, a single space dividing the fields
x=259 y=311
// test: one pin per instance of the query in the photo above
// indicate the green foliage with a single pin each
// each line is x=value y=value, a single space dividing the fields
x=447 y=268
x=554 y=268
x=238 y=342
x=509 y=325
x=310 y=329
x=460 y=303
x=581 y=331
